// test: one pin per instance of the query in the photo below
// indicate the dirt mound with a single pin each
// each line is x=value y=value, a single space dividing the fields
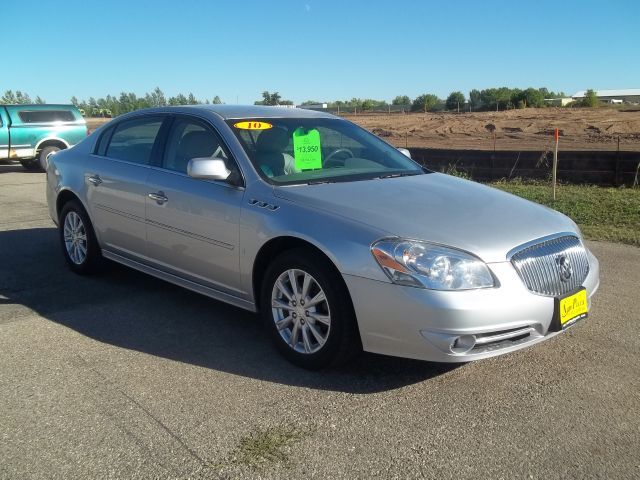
x=528 y=129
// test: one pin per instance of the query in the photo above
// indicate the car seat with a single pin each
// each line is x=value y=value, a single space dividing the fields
x=269 y=151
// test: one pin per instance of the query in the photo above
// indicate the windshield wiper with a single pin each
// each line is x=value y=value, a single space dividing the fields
x=319 y=182
x=399 y=174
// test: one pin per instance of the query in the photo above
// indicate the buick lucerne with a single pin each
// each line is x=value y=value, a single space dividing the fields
x=340 y=241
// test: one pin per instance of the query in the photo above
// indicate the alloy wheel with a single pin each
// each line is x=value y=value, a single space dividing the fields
x=301 y=311
x=75 y=238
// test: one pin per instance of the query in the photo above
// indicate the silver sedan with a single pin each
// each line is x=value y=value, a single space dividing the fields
x=339 y=240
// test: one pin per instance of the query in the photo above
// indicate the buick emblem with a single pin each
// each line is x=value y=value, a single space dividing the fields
x=564 y=268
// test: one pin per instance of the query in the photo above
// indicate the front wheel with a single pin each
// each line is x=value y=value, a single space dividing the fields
x=308 y=311
x=79 y=245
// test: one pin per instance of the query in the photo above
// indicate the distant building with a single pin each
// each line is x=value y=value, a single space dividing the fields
x=559 y=102
x=314 y=106
x=629 y=95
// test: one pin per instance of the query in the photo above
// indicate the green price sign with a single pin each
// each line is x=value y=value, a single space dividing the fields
x=306 y=149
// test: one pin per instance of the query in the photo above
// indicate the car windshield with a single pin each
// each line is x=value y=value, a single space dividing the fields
x=288 y=151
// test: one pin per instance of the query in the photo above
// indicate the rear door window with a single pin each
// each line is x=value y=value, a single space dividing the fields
x=133 y=140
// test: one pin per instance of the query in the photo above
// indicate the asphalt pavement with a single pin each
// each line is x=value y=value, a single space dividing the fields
x=121 y=375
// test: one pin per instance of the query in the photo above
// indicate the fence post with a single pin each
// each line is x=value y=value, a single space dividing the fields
x=616 y=178
x=555 y=161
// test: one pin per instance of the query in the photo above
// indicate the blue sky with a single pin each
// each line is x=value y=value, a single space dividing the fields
x=312 y=49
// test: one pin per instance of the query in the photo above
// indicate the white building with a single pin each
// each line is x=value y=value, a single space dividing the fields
x=629 y=95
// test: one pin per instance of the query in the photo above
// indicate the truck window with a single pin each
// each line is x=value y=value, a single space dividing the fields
x=46 y=116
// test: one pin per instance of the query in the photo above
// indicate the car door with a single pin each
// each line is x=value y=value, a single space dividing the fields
x=193 y=224
x=116 y=180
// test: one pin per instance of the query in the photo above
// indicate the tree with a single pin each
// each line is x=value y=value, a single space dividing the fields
x=22 y=98
x=272 y=99
x=192 y=100
x=590 y=99
x=475 y=99
x=156 y=98
x=216 y=100
x=74 y=101
x=39 y=100
x=425 y=102
x=401 y=100
x=455 y=100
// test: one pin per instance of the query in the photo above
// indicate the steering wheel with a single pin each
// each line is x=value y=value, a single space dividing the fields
x=336 y=152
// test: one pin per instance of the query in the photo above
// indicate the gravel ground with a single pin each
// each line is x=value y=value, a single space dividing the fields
x=124 y=376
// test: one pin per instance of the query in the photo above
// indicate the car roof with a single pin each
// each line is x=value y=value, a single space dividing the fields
x=241 y=111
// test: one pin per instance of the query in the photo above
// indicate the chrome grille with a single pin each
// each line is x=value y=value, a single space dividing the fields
x=543 y=266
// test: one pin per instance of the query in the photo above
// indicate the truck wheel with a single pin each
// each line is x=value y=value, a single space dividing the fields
x=308 y=312
x=31 y=165
x=44 y=155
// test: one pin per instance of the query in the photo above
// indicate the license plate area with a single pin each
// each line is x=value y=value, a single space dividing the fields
x=570 y=309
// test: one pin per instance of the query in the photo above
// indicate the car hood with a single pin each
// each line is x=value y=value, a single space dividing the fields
x=437 y=208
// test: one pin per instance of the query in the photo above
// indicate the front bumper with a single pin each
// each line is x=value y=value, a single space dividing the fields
x=424 y=324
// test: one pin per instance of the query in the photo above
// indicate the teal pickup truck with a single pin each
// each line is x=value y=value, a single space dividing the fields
x=30 y=133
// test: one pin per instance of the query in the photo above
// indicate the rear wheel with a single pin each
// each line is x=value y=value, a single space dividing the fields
x=79 y=245
x=43 y=158
x=308 y=311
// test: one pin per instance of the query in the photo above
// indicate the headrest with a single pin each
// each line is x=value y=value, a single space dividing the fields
x=272 y=140
x=198 y=145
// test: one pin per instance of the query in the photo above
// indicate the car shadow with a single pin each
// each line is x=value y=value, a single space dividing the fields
x=128 y=309
x=8 y=166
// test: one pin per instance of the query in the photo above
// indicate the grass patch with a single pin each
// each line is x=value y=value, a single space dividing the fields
x=611 y=214
x=263 y=448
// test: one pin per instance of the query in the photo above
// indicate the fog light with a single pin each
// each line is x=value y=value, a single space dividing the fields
x=463 y=344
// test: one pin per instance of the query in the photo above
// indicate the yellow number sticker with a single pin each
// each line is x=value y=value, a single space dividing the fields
x=253 y=125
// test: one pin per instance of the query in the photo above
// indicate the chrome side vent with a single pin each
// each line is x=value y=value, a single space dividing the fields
x=552 y=267
x=261 y=204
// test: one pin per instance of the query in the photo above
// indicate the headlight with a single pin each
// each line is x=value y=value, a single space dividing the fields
x=425 y=265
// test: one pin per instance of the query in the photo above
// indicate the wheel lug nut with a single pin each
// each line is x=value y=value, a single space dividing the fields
x=302 y=302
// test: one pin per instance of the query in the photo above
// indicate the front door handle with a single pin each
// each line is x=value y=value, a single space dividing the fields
x=95 y=180
x=159 y=197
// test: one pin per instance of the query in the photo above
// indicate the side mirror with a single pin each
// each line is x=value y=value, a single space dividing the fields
x=405 y=152
x=208 y=169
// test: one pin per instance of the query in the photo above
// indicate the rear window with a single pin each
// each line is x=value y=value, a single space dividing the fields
x=46 y=116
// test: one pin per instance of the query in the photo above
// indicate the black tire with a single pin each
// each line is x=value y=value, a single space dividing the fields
x=31 y=165
x=44 y=153
x=93 y=258
x=343 y=340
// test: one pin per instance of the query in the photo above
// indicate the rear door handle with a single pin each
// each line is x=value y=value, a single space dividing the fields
x=95 y=180
x=159 y=197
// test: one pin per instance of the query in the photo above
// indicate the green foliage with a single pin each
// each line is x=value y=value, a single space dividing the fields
x=18 y=98
x=503 y=98
x=269 y=98
x=425 y=102
x=358 y=103
x=401 y=100
x=616 y=219
x=590 y=99
x=455 y=101
x=475 y=99
x=216 y=100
